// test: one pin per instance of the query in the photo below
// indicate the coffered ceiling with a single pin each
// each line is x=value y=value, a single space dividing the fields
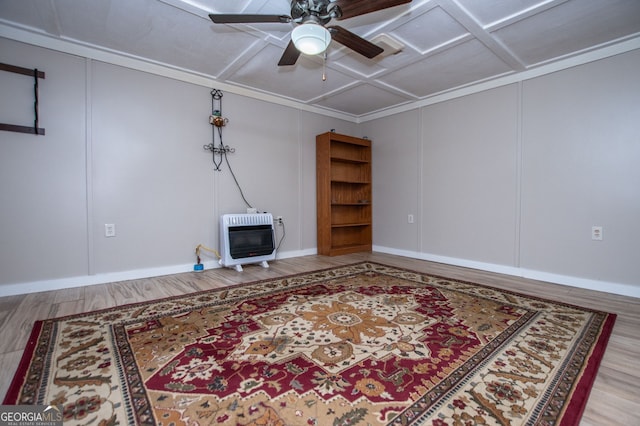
x=447 y=44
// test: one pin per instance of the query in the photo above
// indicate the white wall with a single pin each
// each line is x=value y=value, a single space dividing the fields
x=512 y=179
x=469 y=177
x=150 y=175
x=43 y=197
x=581 y=167
x=126 y=147
x=395 y=175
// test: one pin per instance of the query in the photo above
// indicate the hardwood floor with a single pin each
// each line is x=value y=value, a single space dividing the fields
x=614 y=400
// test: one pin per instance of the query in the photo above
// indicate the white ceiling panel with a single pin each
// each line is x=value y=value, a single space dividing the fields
x=463 y=64
x=261 y=72
x=243 y=6
x=447 y=43
x=570 y=27
x=40 y=15
x=491 y=12
x=361 y=99
x=346 y=60
x=429 y=30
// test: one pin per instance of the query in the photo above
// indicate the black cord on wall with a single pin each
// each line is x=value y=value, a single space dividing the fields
x=222 y=150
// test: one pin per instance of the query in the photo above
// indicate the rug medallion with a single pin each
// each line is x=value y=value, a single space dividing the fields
x=364 y=344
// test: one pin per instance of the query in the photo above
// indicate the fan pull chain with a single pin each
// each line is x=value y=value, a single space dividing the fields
x=324 y=66
x=324 y=57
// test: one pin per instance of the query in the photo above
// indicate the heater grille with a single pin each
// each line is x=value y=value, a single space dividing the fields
x=247 y=219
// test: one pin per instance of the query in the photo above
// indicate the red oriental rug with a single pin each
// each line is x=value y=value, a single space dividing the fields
x=364 y=344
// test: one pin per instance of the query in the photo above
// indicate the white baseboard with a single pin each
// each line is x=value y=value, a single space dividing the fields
x=87 y=280
x=588 y=284
x=81 y=281
x=296 y=253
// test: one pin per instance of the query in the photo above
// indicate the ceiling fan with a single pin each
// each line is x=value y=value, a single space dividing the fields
x=311 y=36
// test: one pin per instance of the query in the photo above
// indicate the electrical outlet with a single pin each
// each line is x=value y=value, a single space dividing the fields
x=410 y=218
x=109 y=230
x=596 y=233
x=279 y=220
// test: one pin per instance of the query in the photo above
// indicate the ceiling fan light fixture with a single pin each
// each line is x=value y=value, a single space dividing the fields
x=311 y=38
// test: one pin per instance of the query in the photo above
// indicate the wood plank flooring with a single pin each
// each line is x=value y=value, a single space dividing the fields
x=614 y=400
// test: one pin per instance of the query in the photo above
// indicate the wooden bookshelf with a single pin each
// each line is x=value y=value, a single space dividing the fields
x=343 y=192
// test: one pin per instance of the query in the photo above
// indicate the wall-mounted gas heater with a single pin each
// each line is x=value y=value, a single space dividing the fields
x=246 y=238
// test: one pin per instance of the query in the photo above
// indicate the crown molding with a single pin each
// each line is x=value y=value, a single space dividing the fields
x=75 y=47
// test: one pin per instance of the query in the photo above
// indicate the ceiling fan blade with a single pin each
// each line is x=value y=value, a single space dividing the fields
x=290 y=55
x=222 y=18
x=351 y=8
x=354 y=42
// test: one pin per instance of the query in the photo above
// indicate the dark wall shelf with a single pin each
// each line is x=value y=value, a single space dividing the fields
x=36 y=75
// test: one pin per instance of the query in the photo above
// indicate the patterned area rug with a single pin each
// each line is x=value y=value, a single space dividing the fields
x=364 y=344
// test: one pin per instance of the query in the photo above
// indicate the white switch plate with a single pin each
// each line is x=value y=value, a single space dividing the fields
x=410 y=218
